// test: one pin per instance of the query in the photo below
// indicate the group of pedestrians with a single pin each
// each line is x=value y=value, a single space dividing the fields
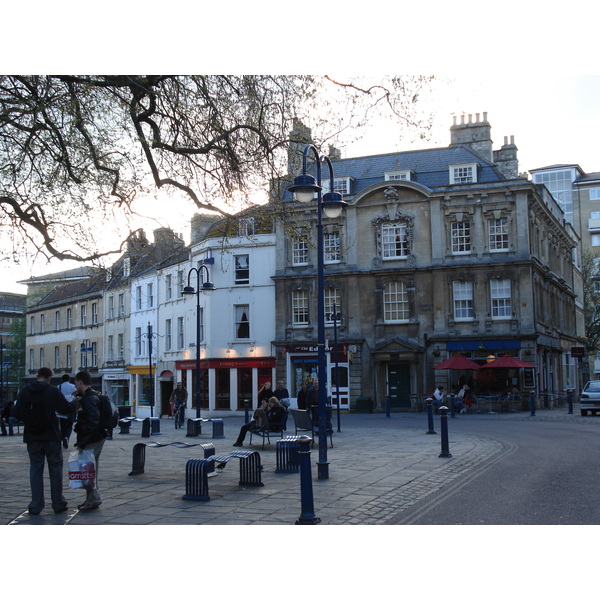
x=38 y=406
x=463 y=401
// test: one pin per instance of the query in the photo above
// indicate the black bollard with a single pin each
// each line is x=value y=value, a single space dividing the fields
x=445 y=453
x=387 y=407
x=452 y=413
x=307 y=516
x=532 y=404
x=246 y=411
x=430 y=416
x=570 y=400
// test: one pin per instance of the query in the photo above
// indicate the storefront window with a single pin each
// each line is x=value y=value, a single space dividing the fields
x=191 y=402
x=304 y=369
x=244 y=387
x=118 y=392
x=223 y=389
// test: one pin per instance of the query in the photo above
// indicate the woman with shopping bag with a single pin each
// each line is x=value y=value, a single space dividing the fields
x=90 y=435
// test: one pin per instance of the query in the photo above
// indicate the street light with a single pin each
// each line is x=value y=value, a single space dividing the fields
x=207 y=288
x=150 y=337
x=332 y=205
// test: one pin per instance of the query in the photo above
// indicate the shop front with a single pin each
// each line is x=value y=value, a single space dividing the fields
x=226 y=384
x=302 y=366
x=116 y=384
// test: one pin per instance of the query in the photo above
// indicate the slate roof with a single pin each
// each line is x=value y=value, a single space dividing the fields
x=77 y=289
x=429 y=167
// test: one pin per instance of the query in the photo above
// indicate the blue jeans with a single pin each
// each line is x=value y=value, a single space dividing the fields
x=11 y=423
x=39 y=453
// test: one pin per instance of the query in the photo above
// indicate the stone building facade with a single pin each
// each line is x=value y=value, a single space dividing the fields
x=439 y=252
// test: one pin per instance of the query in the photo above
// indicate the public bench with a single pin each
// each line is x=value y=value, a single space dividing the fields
x=139 y=453
x=197 y=470
x=303 y=422
x=149 y=425
x=286 y=455
x=194 y=427
x=272 y=429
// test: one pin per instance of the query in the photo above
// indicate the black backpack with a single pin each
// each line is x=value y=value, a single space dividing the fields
x=36 y=416
x=109 y=413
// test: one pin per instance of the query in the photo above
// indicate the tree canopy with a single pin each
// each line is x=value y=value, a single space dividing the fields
x=80 y=151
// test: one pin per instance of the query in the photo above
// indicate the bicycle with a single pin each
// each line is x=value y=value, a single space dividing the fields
x=178 y=417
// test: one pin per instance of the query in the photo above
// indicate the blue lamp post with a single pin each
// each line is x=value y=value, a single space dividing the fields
x=207 y=288
x=304 y=188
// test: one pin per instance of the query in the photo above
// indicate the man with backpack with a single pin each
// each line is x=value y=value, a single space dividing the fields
x=37 y=405
x=90 y=432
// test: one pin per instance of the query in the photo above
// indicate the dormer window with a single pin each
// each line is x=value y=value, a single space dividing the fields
x=461 y=174
x=342 y=185
x=397 y=175
x=246 y=226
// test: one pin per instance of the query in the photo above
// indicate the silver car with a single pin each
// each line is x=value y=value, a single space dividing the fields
x=589 y=399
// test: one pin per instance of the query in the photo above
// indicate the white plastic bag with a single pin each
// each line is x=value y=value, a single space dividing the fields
x=82 y=469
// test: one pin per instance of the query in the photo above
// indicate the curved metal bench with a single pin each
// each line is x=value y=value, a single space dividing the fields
x=139 y=453
x=197 y=469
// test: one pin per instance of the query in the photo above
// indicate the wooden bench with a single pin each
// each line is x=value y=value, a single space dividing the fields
x=194 y=427
x=139 y=453
x=272 y=429
x=197 y=470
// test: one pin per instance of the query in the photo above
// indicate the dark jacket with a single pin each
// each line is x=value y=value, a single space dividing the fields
x=53 y=402
x=275 y=416
x=88 y=428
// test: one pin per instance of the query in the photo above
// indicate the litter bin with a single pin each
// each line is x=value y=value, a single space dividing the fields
x=364 y=405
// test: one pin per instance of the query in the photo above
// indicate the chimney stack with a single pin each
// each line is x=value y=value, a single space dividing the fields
x=475 y=135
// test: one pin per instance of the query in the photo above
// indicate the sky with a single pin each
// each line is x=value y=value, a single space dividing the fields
x=532 y=67
x=562 y=127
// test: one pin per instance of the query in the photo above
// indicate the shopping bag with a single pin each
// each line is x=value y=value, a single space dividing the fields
x=82 y=469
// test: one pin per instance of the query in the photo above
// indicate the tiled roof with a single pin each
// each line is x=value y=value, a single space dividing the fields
x=429 y=167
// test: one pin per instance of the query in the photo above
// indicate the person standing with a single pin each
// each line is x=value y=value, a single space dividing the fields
x=37 y=405
x=90 y=435
x=8 y=417
x=282 y=394
x=66 y=421
x=302 y=397
x=265 y=392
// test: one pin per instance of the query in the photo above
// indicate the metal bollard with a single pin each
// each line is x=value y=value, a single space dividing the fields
x=452 y=413
x=570 y=400
x=307 y=516
x=246 y=411
x=532 y=404
x=387 y=407
x=445 y=453
x=430 y=416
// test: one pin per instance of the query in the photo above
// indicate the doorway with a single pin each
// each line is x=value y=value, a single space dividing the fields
x=398 y=377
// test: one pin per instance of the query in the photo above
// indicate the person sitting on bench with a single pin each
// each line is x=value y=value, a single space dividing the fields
x=268 y=415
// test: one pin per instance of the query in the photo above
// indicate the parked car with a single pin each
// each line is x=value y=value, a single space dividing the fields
x=589 y=399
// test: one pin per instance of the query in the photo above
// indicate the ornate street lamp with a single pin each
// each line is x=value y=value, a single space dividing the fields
x=207 y=288
x=304 y=188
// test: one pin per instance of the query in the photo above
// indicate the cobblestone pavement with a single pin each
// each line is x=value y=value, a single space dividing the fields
x=379 y=468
